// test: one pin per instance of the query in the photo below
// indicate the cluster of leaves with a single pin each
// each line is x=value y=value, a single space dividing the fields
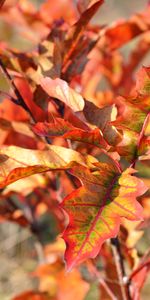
x=75 y=149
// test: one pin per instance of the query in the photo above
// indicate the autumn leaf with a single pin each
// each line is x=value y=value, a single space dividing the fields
x=77 y=31
x=124 y=31
x=56 y=128
x=17 y=163
x=101 y=117
x=96 y=208
x=60 y=89
x=27 y=95
x=26 y=185
x=134 y=119
x=63 y=128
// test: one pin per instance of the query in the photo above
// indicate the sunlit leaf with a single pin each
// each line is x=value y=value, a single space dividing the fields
x=17 y=163
x=96 y=208
x=60 y=89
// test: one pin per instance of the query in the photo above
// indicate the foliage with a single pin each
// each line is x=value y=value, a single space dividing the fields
x=74 y=152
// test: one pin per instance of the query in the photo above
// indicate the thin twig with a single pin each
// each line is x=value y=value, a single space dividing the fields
x=107 y=289
x=93 y=269
x=120 y=268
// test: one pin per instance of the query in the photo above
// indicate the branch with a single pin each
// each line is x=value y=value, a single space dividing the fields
x=101 y=280
x=118 y=258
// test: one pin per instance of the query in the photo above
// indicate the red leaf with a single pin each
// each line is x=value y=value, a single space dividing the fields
x=95 y=209
x=27 y=95
x=122 y=32
x=77 y=31
x=63 y=128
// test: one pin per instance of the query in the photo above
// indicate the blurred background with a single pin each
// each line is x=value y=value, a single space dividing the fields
x=19 y=249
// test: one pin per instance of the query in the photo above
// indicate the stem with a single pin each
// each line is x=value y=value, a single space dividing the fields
x=120 y=268
x=107 y=289
x=101 y=280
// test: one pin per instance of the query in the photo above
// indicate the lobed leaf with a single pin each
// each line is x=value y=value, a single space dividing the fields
x=96 y=208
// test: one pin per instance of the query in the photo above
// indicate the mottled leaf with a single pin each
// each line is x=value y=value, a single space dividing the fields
x=65 y=129
x=96 y=208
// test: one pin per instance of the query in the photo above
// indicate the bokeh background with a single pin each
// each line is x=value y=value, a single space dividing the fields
x=19 y=249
